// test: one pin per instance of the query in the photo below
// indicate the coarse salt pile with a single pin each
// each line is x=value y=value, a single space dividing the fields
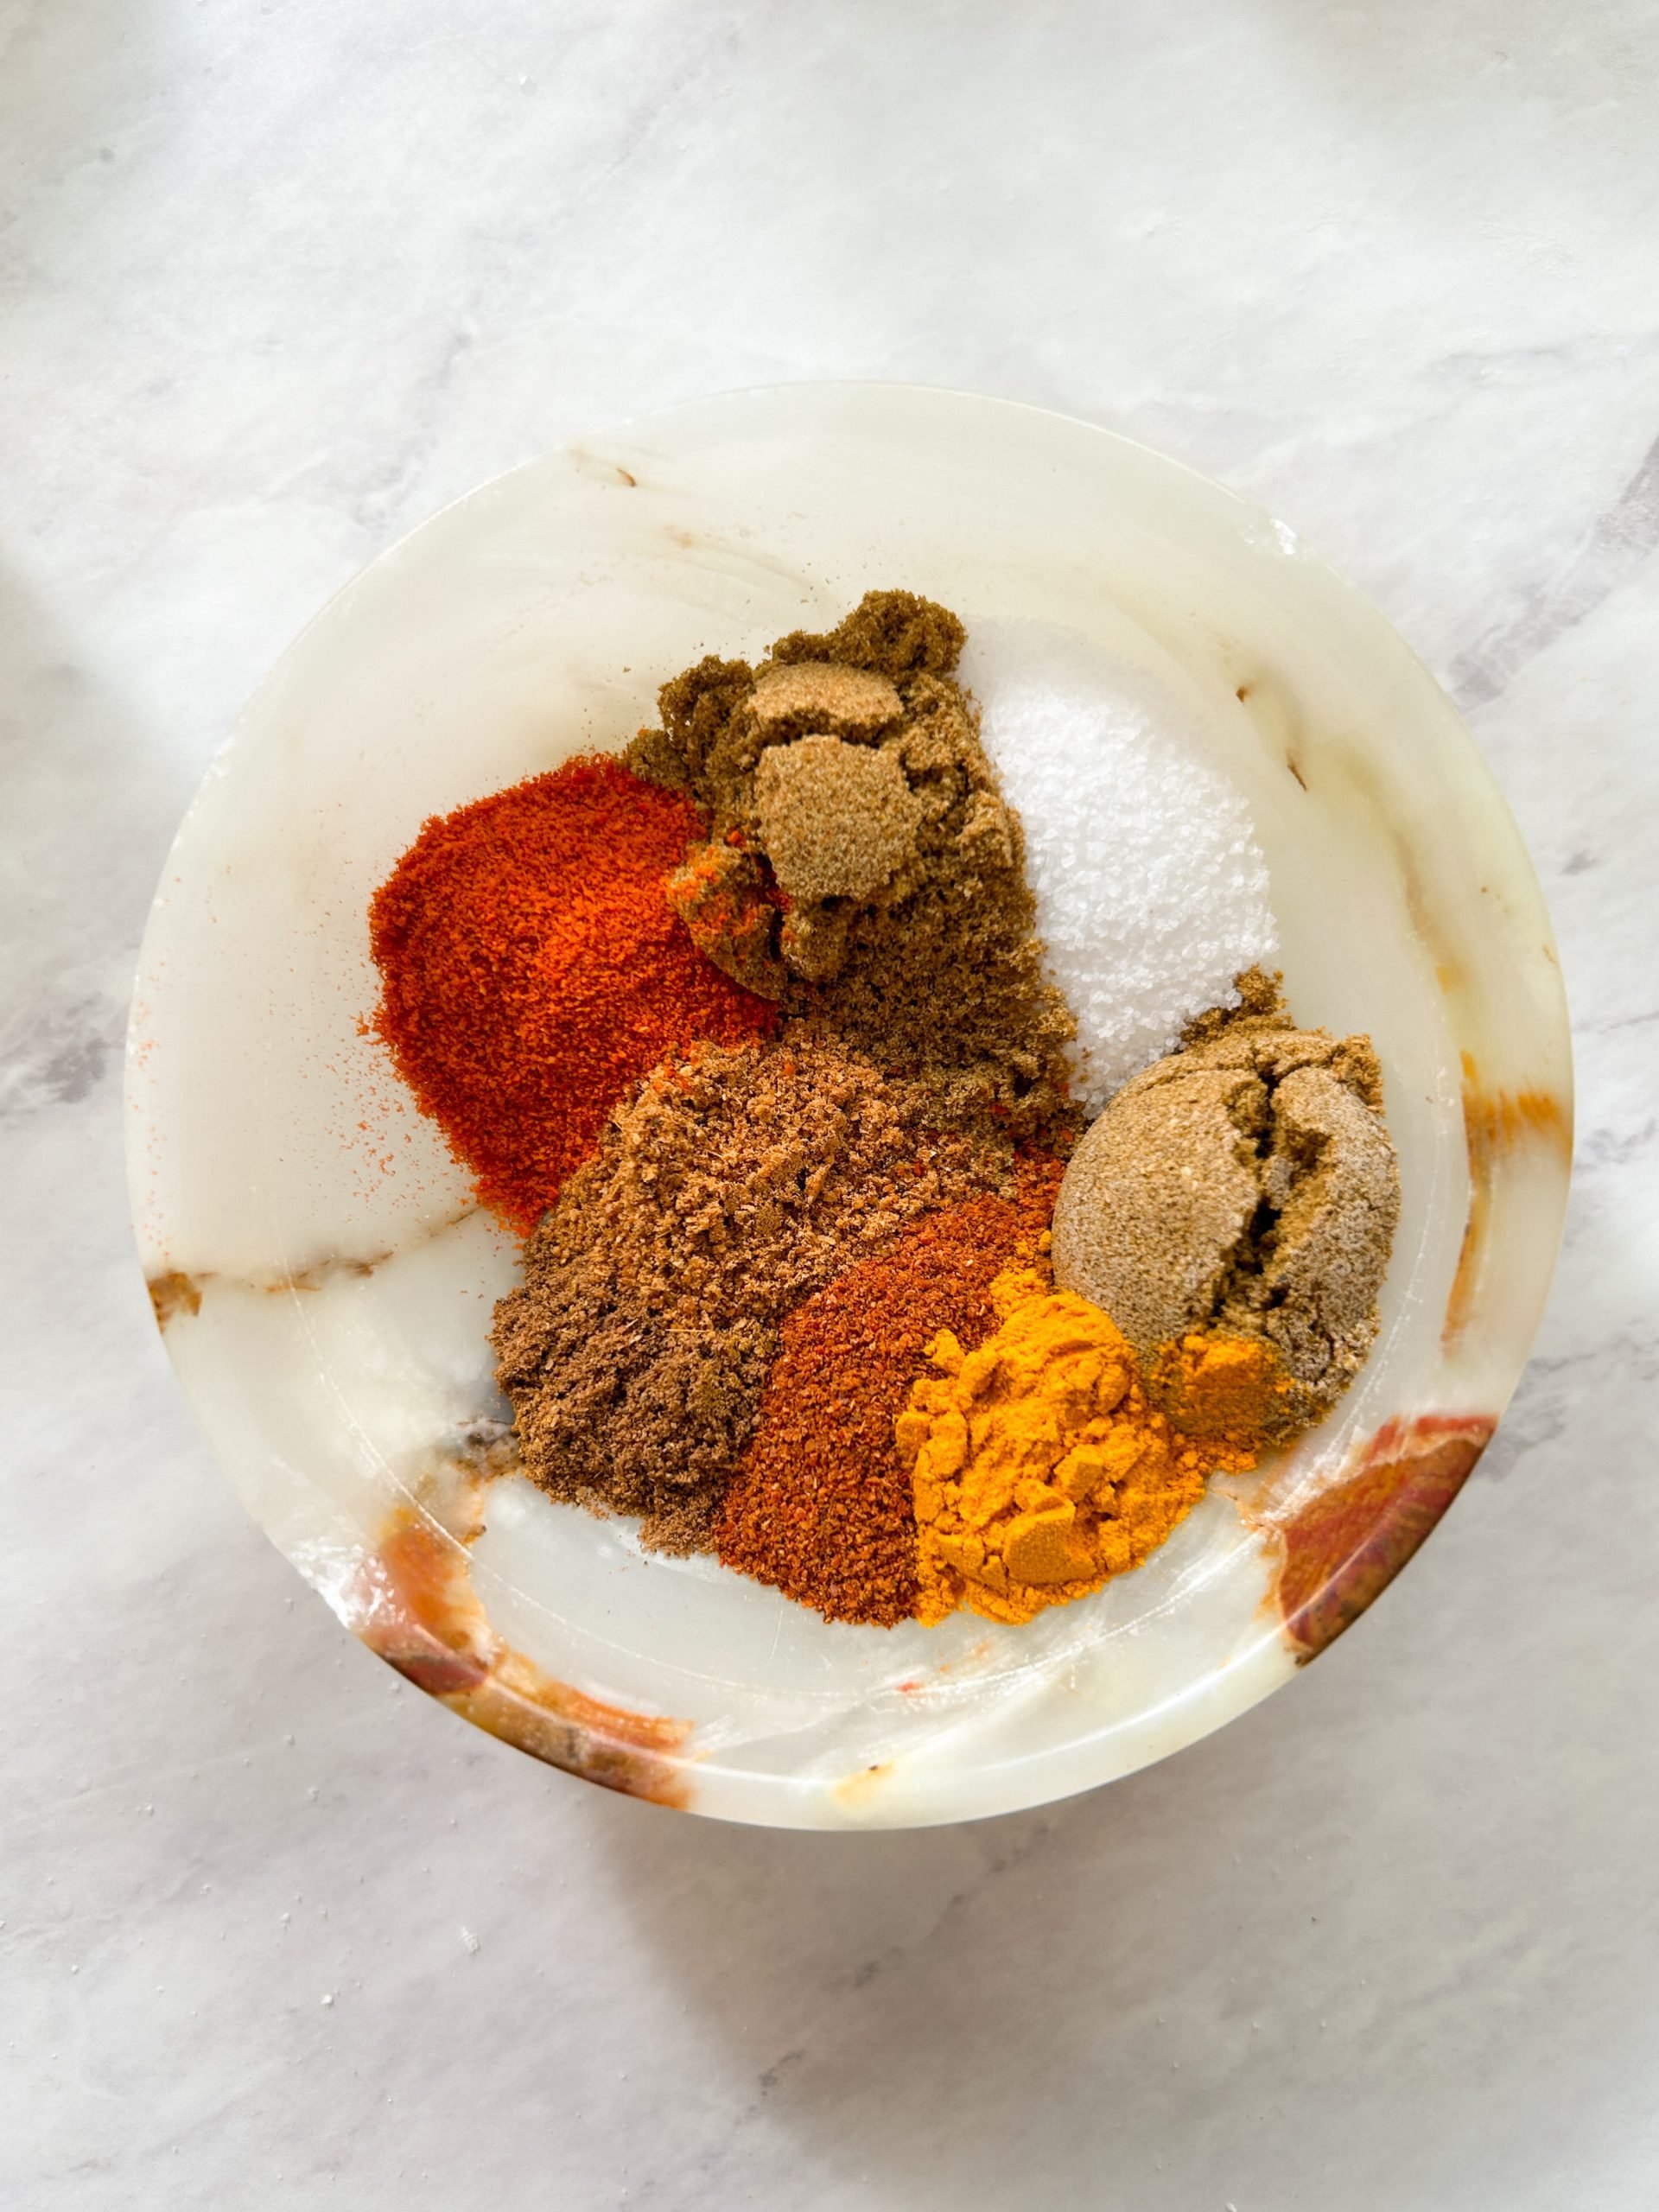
x=1151 y=890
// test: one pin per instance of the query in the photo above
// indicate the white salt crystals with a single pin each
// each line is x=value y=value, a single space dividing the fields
x=1151 y=890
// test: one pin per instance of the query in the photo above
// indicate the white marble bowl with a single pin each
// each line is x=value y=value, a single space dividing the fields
x=324 y=1281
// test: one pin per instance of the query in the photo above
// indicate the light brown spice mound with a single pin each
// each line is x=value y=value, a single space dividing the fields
x=1248 y=1183
x=731 y=1186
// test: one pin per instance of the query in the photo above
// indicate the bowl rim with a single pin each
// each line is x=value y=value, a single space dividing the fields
x=1434 y=1466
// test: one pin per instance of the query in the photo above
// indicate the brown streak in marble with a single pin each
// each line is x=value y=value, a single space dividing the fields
x=1271 y=710
x=173 y=1293
x=1370 y=789
x=1419 y=914
x=331 y=1266
x=1344 y=1547
x=1495 y=1122
x=454 y=1492
x=418 y=1610
x=598 y=463
x=319 y=1275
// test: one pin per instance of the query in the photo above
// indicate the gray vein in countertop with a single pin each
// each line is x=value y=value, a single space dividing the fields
x=1613 y=551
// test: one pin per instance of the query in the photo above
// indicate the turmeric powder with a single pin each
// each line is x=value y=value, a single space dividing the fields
x=1039 y=1468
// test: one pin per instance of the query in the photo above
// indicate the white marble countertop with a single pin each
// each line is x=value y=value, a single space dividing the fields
x=275 y=282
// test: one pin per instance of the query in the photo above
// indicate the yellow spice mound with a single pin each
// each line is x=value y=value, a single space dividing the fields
x=1038 y=1470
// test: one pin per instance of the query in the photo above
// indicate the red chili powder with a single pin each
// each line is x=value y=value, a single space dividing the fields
x=532 y=971
x=821 y=1508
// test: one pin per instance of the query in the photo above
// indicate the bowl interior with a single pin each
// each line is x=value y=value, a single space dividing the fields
x=324 y=1281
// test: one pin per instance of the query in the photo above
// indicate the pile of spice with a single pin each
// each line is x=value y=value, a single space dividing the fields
x=1248 y=1183
x=822 y=1509
x=1151 y=889
x=860 y=865
x=734 y=1183
x=753 y=1036
x=530 y=973
x=1040 y=1468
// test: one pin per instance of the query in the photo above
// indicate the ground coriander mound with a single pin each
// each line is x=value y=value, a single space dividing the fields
x=1245 y=1184
x=859 y=862
x=732 y=1185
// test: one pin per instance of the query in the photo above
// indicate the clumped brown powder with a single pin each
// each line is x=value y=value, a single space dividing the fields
x=893 y=633
x=1247 y=1184
x=861 y=863
x=733 y=1185
x=836 y=820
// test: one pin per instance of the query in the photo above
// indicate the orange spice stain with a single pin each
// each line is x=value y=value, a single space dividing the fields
x=856 y=1789
x=1495 y=1122
x=1343 y=1549
x=173 y=1293
x=1497 y=1119
x=416 y=1608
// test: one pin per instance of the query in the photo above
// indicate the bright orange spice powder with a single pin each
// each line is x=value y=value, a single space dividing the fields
x=532 y=971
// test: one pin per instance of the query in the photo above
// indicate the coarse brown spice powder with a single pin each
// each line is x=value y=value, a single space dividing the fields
x=733 y=1185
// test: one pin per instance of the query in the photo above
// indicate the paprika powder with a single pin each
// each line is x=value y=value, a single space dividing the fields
x=532 y=971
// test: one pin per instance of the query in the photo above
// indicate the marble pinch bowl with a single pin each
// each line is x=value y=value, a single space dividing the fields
x=324 y=1279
